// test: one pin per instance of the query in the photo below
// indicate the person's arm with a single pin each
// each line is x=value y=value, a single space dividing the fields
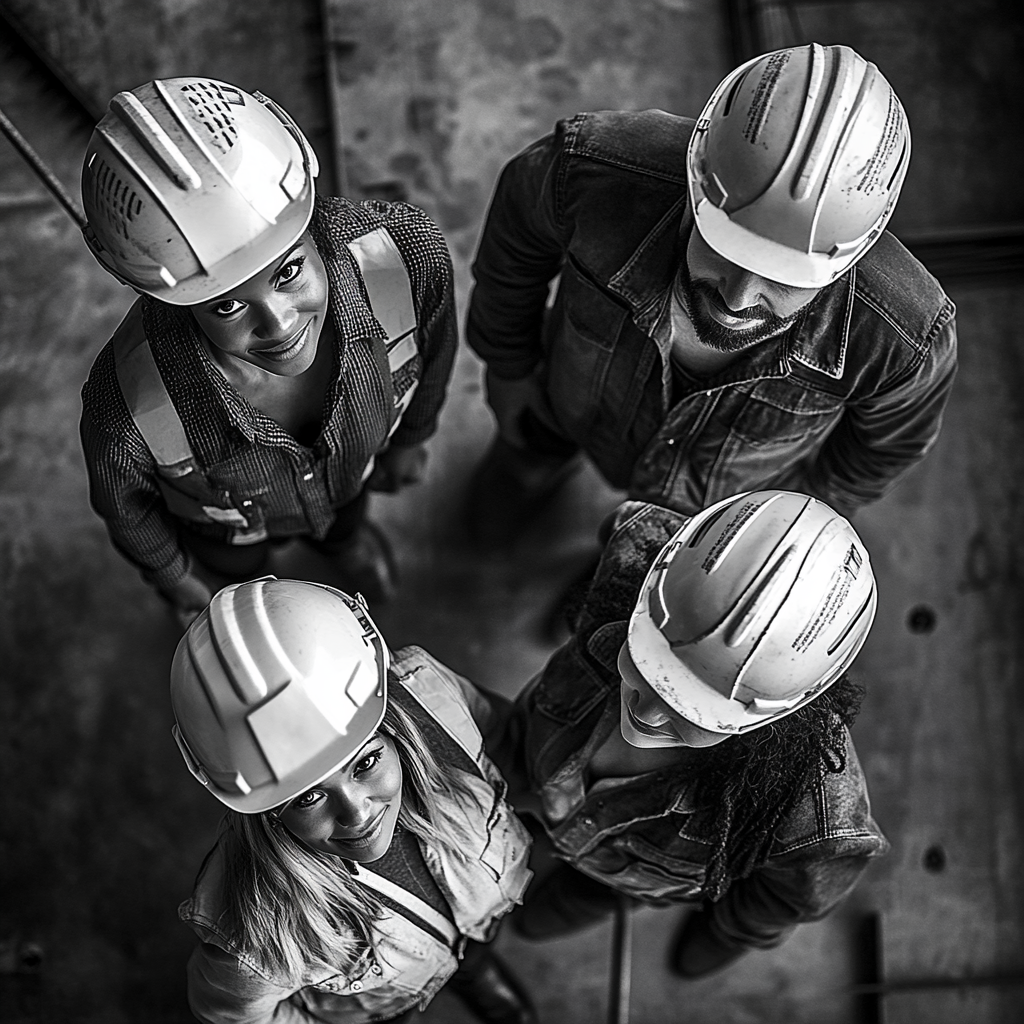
x=881 y=436
x=521 y=251
x=222 y=990
x=760 y=911
x=124 y=494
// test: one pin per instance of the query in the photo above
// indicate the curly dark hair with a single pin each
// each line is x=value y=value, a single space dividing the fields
x=751 y=782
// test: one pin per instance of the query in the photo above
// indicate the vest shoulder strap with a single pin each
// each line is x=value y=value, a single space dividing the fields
x=387 y=286
x=146 y=396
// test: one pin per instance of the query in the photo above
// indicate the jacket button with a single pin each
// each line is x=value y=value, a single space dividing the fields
x=377 y=969
x=356 y=986
x=588 y=822
x=671 y=441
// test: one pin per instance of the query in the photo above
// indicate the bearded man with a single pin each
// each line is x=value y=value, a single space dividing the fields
x=729 y=310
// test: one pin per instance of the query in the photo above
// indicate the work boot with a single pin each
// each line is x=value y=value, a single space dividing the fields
x=365 y=562
x=509 y=488
x=565 y=902
x=493 y=993
x=696 y=951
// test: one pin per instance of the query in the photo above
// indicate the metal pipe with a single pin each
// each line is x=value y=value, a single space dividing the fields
x=622 y=962
x=35 y=161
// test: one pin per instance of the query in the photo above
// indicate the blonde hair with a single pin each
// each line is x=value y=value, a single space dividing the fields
x=290 y=908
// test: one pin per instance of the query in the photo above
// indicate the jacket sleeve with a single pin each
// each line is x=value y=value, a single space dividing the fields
x=881 y=436
x=434 y=297
x=520 y=252
x=762 y=909
x=819 y=853
x=124 y=493
x=222 y=990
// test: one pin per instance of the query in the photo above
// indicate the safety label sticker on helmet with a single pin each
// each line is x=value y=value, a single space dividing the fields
x=828 y=609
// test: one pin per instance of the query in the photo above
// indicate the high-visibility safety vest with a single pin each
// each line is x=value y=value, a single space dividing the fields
x=185 y=487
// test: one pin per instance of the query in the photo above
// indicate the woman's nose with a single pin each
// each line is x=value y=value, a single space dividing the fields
x=649 y=710
x=278 y=318
x=351 y=811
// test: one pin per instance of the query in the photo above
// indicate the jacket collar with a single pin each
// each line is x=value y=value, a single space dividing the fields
x=818 y=340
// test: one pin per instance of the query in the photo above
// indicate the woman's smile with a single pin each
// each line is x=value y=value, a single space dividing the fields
x=287 y=349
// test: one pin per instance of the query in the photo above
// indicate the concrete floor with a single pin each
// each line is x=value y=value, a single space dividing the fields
x=101 y=829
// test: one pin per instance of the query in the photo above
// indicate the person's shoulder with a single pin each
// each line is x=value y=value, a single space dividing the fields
x=640 y=530
x=833 y=817
x=414 y=233
x=204 y=909
x=102 y=399
x=652 y=142
x=429 y=680
x=351 y=219
x=893 y=286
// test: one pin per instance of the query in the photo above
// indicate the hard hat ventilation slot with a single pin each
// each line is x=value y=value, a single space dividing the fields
x=702 y=532
x=898 y=168
x=891 y=134
x=850 y=626
x=213 y=110
x=730 y=99
x=119 y=200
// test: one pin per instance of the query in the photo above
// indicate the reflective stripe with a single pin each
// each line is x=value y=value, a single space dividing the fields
x=145 y=395
x=387 y=285
x=419 y=907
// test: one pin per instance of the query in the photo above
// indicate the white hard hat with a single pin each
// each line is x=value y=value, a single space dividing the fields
x=796 y=163
x=753 y=608
x=191 y=186
x=275 y=686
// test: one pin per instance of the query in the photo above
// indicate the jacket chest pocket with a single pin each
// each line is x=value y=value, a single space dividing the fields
x=769 y=431
x=579 y=338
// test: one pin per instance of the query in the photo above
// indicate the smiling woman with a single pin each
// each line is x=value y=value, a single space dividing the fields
x=367 y=844
x=287 y=353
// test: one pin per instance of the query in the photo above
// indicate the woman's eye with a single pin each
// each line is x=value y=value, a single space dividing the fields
x=368 y=763
x=306 y=800
x=290 y=271
x=227 y=308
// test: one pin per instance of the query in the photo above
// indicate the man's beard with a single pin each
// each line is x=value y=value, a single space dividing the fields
x=697 y=295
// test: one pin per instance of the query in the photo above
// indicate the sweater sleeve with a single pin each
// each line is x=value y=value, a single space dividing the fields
x=122 y=482
x=520 y=252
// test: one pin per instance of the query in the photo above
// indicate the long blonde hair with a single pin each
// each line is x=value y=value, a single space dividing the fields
x=290 y=908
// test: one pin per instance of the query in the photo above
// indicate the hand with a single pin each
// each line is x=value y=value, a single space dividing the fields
x=397 y=467
x=189 y=596
x=509 y=399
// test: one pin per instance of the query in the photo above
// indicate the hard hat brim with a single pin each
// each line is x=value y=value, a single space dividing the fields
x=762 y=256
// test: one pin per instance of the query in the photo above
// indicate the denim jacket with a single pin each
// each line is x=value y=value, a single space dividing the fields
x=839 y=406
x=644 y=836
x=411 y=965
